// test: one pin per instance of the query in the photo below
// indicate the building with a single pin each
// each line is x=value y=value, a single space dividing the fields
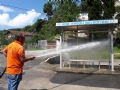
x=117 y=3
x=11 y=33
x=83 y=16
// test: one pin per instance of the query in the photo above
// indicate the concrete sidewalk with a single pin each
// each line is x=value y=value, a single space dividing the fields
x=43 y=77
x=40 y=75
x=91 y=69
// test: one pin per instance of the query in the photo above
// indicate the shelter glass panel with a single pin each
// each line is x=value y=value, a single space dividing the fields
x=82 y=37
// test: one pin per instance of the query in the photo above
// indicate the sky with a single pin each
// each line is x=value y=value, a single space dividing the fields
x=20 y=13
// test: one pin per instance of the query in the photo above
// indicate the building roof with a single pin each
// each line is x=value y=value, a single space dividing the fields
x=24 y=32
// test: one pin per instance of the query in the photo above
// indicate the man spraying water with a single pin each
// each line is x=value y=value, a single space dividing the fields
x=15 y=55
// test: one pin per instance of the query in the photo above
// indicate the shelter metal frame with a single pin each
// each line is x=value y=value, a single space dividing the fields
x=89 y=25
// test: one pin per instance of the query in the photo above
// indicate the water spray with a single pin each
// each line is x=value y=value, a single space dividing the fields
x=78 y=47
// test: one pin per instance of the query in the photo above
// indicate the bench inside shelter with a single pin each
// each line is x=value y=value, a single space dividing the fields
x=84 y=61
x=67 y=60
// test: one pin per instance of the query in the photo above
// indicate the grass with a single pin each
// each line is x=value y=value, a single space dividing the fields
x=116 y=56
x=116 y=50
x=34 y=48
x=116 y=53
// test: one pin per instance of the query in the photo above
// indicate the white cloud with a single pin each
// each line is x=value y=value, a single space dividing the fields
x=6 y=9
x=24 y=19
x=4 y=18
x=20 y=20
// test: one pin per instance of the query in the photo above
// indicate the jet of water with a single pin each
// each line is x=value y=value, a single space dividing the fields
x=79 y=47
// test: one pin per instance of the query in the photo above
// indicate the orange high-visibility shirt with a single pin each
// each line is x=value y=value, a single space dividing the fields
x=14 y=51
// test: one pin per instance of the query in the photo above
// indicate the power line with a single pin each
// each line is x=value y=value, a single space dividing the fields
x=21 y=8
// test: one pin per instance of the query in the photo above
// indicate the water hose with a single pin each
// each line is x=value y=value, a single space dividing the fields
x=3 y=72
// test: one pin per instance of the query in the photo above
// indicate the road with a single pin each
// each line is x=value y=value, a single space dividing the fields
x=39 y=75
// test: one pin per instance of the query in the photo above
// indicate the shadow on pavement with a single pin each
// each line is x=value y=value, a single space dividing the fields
x=103 y=81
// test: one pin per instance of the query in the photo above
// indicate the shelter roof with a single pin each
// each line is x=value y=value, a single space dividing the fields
x=88 y=25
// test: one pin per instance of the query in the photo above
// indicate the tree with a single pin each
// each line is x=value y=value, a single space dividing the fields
x=48 y=9
x=101 y=9
x=84 y=6
x=118 y=17
x=95 y=10
x=108 y=8
x=38 y=24
x=3 y=39
x=27 y=28
x=67 y=11
x=62 y=12
x=117 y=9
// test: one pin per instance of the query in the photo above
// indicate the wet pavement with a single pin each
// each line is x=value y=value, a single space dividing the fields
x=90 y=70
x=40 y=75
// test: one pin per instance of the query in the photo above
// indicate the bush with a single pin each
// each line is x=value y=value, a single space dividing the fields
x=116 y=50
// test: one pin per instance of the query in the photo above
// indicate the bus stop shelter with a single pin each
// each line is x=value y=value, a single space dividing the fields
x=90 y=26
